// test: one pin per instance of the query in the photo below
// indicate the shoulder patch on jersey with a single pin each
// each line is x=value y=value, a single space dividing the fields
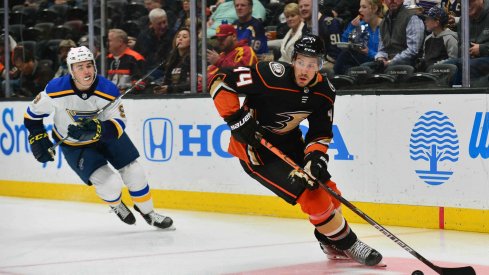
x=278 y=69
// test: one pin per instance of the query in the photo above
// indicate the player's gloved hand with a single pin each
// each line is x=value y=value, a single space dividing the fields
x=244 y=127
x=297 y=177
x=86 y=129
x=40 y=144
x=317 y=165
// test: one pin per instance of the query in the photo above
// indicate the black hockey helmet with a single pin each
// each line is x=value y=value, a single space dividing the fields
x=310 y=45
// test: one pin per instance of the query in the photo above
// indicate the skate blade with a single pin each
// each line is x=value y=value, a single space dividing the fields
x=171 y=228
x=340 y=258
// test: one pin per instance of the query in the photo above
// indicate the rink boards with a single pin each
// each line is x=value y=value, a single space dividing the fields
x=410 y=160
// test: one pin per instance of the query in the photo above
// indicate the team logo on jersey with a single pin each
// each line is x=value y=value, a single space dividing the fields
x=287 y=121
x=277 y=69
x=434 y=145
x=79 y=115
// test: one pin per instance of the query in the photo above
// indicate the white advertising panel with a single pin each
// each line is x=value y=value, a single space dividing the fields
x=405 y=149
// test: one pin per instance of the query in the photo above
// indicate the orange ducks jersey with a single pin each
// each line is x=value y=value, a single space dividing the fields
x=279 y=105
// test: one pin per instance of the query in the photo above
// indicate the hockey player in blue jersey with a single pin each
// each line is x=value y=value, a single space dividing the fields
x=91 y=142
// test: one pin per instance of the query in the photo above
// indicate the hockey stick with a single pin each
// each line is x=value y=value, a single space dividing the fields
x=466 y=270
x=51 y=150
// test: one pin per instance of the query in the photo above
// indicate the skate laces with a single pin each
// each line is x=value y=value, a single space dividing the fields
x=359 y=251
x=156 y=218
x=121 y=210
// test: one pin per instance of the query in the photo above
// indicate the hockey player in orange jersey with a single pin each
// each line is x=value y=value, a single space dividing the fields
x=278 y=97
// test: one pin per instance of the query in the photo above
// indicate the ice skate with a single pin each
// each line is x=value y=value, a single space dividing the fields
x=364 y=254
x=157 y=220
x=123 y=213
x=332 y=252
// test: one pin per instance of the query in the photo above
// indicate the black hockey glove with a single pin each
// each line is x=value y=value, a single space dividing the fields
x=244 y=127
x=297 y=177
x=317 y=165
x=86 y=129
x=40 y=144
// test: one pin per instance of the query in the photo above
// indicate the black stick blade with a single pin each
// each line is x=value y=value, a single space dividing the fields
x=466 y=270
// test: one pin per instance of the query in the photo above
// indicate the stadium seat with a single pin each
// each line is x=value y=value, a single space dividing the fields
x=355 y=76
x=47 y=15
x=273 y=11
x=436 y=75
x=76 y=28
x=360 y=73
x=342 y=81
x=16 y=31
x=19 y=17
x=50 y=50
x=30 y=46
x=45 y=28
x=61 y=32
x=134 y=11
x=444 y=72
x=46 y=62
x=380 y=79
x=76 y=13
x=31 y=33
x=60 y=9
x=131 y=28
x=400 y=72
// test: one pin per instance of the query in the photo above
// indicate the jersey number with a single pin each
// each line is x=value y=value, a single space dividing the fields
x=244 y=77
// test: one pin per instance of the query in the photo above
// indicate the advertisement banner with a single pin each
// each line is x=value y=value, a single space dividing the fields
x=402 y=149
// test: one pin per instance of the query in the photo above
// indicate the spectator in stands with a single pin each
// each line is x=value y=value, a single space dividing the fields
x=153 y=43
x=441 y=44
x=250 y=28
x=225 y=12
x=124 y=66
x=347 y=10
x=159 y=4
x=14 y=73
x=234 y=53
x=329 y=29
x=402 y=35
x=33 y=75
x=363 y=31
x=295 y=24
x=63 y=49
x=479 y=43
x=177 y=76
x=454 y=9
x=183 y=15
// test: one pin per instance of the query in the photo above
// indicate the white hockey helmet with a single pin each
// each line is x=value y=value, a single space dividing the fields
x=79 y=54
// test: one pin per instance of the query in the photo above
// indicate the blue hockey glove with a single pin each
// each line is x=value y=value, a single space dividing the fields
x=244 y=127
x=317 y=165
x=40 y=144
x=86 y=129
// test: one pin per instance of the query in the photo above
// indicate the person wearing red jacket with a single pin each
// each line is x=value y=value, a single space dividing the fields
x=234 y=53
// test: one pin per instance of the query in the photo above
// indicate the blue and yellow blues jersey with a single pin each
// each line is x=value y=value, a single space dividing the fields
x=254 y=33
x=68 y=105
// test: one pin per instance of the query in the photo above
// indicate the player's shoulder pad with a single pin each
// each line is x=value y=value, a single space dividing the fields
x=59 y=86
x=273 y=73
x=106 y=88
